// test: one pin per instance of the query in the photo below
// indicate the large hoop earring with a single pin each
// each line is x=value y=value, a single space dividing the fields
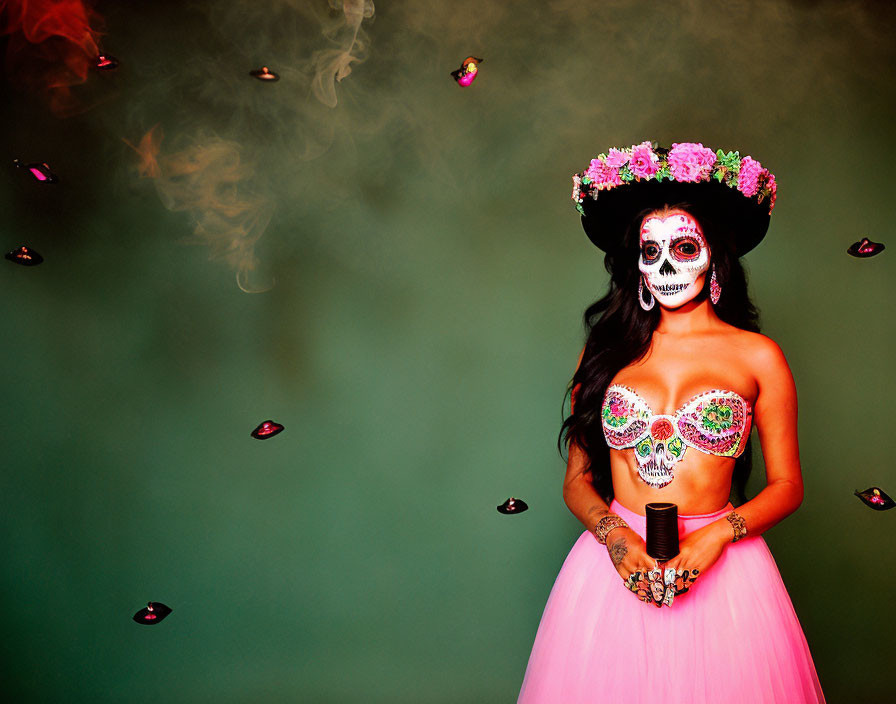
x=644 y=305
x=715 y=290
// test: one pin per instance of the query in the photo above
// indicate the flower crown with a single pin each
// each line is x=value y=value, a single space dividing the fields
x=685 y=162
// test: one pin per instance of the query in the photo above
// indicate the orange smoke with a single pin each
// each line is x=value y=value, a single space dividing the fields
x=209 y=178
x=148 y=150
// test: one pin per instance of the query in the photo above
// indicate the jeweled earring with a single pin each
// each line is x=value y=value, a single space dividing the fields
x=714 y=289
x=644 y=305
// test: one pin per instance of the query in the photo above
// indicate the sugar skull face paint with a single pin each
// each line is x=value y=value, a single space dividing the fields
x=674 y=255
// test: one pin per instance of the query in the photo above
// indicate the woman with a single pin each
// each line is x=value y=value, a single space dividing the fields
x=673 y=375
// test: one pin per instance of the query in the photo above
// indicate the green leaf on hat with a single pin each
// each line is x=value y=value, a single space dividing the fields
x=663 y=173
x=730 y=160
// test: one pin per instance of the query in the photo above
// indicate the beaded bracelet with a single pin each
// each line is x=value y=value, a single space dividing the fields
x=738 y=524
x=606 y=524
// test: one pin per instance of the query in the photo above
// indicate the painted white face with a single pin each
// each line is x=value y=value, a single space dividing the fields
x=674 y=256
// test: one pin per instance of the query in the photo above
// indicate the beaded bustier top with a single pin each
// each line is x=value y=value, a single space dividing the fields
x=716 y=422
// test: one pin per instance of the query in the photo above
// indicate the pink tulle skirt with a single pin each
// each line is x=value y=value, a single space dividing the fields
x=733 y=638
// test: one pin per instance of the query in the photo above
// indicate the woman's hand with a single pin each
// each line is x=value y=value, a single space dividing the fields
x=699 y=551
x=628 y=552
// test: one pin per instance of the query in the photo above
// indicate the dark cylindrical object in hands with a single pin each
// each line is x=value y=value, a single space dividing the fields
x=662 y=530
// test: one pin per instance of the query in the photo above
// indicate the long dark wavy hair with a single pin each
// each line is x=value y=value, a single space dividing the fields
x=619 y=332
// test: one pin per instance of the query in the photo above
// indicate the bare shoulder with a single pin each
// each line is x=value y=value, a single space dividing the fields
x=762 y=346
x=765 y=357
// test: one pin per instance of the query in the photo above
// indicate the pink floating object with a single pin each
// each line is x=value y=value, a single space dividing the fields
x=106 y=62
x=865 y=248
x=266 y=430
x=467 y=72
x=876 y=498
x=153 y=613
x=40 y=171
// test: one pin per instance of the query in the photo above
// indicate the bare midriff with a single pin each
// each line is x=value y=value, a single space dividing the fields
x=675 y=369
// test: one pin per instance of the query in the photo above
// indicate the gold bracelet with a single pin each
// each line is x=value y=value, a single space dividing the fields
x=606 y=524
x=738 y=524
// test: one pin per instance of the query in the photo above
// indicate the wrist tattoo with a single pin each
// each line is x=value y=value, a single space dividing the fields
x=738 y=524
x=618 y=550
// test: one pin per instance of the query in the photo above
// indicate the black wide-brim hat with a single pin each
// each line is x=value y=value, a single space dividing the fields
x=618 y=187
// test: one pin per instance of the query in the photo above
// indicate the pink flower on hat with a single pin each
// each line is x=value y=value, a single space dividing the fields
x=616 y=158
x=748 y=176
x=691 y=162
x=644 y=162
x=603 y=176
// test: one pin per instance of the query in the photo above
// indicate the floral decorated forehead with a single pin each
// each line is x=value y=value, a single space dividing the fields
x=622 y=182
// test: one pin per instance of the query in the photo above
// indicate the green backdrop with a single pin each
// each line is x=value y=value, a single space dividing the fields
x=429 y=276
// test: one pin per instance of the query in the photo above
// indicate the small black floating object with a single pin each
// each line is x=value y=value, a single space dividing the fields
x=24 y=256
x=106 y=62
x=264 y=74
x=865 y=248
x=153 y=613
x=266 y=430
x=876 y=498
x=40 y=171
x=513 y=505
x=467 y=72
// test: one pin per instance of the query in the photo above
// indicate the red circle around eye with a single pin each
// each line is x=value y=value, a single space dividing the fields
x=687 y=255
x=661 y=429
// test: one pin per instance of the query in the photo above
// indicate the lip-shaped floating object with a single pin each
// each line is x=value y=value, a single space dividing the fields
x=40 y=171
x=266 y=430
x=24 y=256
x=876 y=498
x=467 y=72
x=264 y=74
x=153 y=613
x=865 y=248
x=106 y=62
x=513 y=505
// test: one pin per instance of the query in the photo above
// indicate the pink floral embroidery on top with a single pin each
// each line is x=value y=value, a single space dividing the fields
x=619 y=408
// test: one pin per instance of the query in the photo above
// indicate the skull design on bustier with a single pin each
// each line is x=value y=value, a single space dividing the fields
x=674 y=255
x=658 y=445
x=658 y=451
x=715 y=421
